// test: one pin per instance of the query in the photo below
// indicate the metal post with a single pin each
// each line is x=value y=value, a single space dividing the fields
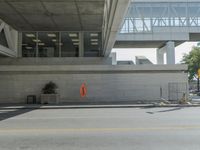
x=59 y=44
x=20 y=44
x=37 y=50
x=81 y=44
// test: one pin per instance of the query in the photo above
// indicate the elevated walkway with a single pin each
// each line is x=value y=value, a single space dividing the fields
x=160 y=24
x=156 y=22
x=150 y=24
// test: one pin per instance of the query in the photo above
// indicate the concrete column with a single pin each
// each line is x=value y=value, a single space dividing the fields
x=114 y=58
x=160 y=57
x=113 y=18
x=81 y=44
x=170 y=50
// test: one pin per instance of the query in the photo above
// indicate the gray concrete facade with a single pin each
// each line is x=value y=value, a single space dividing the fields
x=56 y=61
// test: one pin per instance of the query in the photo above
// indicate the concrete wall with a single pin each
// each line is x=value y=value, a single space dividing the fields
x=104 y=83
x=56 y=61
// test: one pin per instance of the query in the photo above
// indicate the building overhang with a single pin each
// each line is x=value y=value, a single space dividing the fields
x=49 y=15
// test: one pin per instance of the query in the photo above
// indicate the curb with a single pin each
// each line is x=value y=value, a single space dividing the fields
x=93 y=106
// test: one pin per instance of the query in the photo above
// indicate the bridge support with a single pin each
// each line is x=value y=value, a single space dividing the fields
x=114 y=58
x=114 y=14
x=160 y=57
x=169 y=49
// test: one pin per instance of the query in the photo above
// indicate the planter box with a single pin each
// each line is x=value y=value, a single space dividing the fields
x=50 y=98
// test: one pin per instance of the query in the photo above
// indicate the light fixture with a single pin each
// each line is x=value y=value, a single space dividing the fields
x=94 y=34
x=30 y=35
x=94 y=40
x=51 y=35
x=73 y=35
x=75 y=40
x=94 y=43
x=28 y=47
x=54 y=40
x=59 y=44
x=24 y=44
x=41 y=44
x=35 y=40
x=76 y=44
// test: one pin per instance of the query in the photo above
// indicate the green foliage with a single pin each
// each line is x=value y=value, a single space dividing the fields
x=193 y=61
x=49 y=88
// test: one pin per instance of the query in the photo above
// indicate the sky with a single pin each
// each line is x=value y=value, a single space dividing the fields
x=129 y=54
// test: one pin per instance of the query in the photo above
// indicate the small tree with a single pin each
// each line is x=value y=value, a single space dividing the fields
x=193 y=61
x=49 y=88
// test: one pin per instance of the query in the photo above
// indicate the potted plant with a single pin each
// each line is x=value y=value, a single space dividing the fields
x=49 y=94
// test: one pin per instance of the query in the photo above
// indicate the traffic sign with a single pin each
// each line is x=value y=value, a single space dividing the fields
x=199 y=73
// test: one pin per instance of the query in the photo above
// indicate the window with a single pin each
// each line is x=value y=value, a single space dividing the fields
x=92 y=44
x=69 y=44
x=48 y=44
x=28 y=44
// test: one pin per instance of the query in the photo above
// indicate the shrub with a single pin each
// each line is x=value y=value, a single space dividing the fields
x=50 y=88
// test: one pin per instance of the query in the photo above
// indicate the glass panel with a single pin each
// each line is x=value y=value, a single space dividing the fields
x=69 y=44
x=92 y=44
x=28 y=44
x=48 y=44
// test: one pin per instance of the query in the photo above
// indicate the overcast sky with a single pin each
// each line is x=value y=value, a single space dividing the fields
x=129 y=54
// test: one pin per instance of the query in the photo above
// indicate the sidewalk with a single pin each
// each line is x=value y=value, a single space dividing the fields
x=64 y=106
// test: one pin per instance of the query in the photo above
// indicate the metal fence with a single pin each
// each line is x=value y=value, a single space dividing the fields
x=176 y=91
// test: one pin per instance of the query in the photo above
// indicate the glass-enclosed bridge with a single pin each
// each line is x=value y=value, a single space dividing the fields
x=160 y=24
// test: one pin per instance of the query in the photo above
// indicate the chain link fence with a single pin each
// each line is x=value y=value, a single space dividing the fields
x=177 y=91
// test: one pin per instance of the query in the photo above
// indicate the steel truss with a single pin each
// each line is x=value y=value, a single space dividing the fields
x=143 y=17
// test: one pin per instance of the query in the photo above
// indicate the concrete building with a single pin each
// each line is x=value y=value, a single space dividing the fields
x=69 y=43
x=142 y=60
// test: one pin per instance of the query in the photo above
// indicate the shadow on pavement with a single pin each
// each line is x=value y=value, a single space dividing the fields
x=6 y=113
x=163 y=111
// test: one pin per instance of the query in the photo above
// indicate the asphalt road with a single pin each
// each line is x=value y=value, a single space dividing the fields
x=100 y=129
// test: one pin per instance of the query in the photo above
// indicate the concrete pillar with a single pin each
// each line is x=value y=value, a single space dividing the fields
x=114 y=58
x=160 y=57
x=170 y=50
x=114 y=15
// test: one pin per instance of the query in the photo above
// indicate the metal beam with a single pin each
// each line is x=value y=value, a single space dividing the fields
x=2 y=26
x=7 y=52
x=12 y=40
